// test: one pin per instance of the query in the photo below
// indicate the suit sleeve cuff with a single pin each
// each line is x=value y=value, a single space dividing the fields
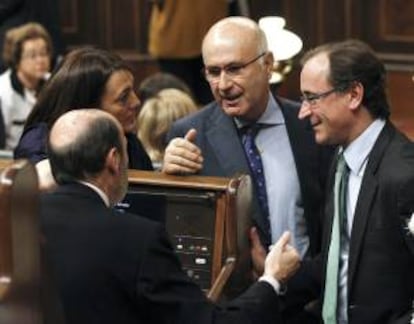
x=271 y=281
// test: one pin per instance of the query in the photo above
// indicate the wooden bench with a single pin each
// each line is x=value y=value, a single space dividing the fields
x=27 y=295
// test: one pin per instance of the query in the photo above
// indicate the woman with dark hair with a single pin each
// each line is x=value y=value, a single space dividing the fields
x=87 y=78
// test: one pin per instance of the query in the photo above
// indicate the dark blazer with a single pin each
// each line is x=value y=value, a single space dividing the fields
x=114 y=267
x=381 y=257
x=223 y=154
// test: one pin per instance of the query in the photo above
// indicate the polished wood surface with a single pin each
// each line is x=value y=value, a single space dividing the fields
x=20 y=270
x=28 y=293
x=401 y=97
x=178 y=181
x=4 y=163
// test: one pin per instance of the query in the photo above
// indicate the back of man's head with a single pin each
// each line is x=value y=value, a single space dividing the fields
x=79 y=142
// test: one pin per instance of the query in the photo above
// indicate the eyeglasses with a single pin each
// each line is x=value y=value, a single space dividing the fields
x=32 y=55
x=313 y=98
x=213 y=73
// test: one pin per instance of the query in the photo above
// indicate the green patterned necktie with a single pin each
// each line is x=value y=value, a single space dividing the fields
x=330 y=301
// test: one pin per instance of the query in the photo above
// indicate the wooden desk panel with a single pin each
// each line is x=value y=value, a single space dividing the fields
x=207 y=219
x=401 y=96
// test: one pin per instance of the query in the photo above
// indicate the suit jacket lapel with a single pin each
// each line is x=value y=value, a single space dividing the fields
x=309 y=161
x=300 y=138
x=366 y=197
x=223 y=138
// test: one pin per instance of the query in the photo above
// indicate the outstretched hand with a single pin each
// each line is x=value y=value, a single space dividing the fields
x=283 y=260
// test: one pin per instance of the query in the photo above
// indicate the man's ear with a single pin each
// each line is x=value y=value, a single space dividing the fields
x=356 y=93
x=269 y=61
x=113 y=161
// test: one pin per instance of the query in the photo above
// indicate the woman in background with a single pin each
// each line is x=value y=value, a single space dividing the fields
x=156 y=117
x=151 y=85
x=87 y=78
x=27 y=53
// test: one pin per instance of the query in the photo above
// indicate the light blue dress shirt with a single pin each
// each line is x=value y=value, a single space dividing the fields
x=282 y=183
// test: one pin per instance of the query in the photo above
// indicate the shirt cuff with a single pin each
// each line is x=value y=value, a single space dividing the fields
x=271 y=281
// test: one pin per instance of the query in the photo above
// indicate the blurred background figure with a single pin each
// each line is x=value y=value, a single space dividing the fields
x=153 y=84
x=3 y=152
x=176 y=31
x=14 y=13
x=27 y=54
x=156 y=117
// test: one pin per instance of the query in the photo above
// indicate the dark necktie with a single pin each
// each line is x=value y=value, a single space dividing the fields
x=338 y=238
x=255 y=163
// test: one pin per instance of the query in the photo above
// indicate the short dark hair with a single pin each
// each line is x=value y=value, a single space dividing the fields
x=79 y=82
x=354 y=61
x=85 y=155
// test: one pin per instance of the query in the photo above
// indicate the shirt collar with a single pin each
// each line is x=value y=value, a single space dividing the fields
x=101 y=194
x=356 y=154
x=271 y=116
x=16 y=84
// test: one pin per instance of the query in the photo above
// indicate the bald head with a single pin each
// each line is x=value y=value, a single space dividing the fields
x=79 y=142
x=238 y=67
x=73 y=124
x=235 y=31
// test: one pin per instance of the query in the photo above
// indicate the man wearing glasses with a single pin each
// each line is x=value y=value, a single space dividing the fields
x=288 y=188
x=368 y=254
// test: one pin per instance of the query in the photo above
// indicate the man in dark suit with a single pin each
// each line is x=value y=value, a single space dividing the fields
x=370 y=278
x=114 y=267
x=238 y=66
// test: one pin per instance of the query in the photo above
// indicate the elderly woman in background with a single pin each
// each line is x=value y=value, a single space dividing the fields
x=27 y=52
x=156 y=117
x=87 y=78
